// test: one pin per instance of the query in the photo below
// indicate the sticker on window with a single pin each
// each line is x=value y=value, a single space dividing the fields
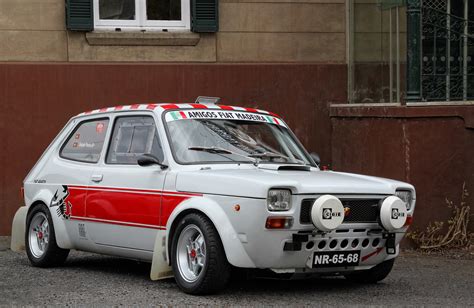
x=222 y=115
x=99 y=128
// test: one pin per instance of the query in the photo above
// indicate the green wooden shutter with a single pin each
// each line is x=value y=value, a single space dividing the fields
x=204 y=15
x=79 y=15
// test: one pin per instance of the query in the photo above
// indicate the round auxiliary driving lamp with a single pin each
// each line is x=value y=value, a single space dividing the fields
x=327 y=213
x=393 y=213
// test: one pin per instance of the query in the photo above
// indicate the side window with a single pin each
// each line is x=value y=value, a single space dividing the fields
x=132 y=137
x=86 y=142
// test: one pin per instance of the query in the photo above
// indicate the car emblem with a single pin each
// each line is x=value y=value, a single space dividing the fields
x=327 y=213
x=396 y=214
x=347 y=211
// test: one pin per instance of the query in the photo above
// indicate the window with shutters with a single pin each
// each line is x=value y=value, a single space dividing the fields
x=147 y=15
x=142 y=15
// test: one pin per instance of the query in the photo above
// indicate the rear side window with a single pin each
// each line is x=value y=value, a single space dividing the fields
x=86 y=142
x=133 y=136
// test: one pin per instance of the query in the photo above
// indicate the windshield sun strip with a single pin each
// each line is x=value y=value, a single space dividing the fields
x=286 y=128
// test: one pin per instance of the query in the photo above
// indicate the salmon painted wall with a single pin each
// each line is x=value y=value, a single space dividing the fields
x=38 y=99
x=431 y=147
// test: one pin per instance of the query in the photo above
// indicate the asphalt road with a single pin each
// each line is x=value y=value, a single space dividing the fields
x=88 y=279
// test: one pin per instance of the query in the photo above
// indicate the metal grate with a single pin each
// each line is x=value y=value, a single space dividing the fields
x=435 y=4
x=361 y=210
x=447 y=50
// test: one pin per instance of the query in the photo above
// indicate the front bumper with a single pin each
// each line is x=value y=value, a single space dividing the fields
x=284 y=251
x=275 y=248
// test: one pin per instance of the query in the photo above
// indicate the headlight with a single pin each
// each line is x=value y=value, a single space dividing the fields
x=279 y=200
x=406 y=197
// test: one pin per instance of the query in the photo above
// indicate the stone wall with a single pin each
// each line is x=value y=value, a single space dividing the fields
x=250 y=31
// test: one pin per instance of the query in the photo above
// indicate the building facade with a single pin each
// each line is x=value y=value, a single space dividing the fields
x=336 y=70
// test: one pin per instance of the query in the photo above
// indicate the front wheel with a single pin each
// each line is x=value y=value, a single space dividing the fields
x=40 y=240
x=197 y=256
x=373 y=275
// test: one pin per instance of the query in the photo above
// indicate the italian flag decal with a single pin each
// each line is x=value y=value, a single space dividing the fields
x=272 y=120
x=178 y=115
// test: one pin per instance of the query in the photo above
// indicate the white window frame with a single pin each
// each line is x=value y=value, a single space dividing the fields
x=141 y=22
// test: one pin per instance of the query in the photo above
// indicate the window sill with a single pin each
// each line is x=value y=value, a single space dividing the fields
x=396 y=111
x=109 y=38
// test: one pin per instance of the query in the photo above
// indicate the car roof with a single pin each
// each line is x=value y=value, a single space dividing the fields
x=159 y=108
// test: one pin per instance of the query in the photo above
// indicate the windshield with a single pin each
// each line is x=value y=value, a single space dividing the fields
x=196 y=141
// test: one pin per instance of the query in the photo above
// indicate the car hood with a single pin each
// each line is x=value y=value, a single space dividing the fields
x=255 y=183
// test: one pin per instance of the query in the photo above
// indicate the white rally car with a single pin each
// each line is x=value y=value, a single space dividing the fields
x=198 y=188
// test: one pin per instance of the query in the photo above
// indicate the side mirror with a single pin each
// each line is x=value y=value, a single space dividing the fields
x=146 y=160
x=316 y=158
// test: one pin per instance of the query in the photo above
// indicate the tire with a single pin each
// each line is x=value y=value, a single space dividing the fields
x=373 y=275
x=198 y=259
x=40 y=239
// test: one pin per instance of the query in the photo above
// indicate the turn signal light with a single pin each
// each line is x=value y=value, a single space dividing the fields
x=279 y=222
x=409 y=221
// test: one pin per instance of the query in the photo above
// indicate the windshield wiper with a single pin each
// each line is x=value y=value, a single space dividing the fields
x=221 y=151
x=268 y=155
x=273 y=155
x=213 y=150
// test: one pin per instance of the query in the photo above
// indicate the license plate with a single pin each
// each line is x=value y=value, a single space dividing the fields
x=336 y=258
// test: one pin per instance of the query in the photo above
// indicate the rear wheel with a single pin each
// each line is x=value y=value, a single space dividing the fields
x=373 y=275
x=197 y=256
x=40 y=239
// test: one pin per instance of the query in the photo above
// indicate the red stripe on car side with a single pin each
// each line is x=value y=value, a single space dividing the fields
x=135 y=106
x=129 y=207
x=77 y=197
x=223 y=107
x=118 y=108
x=117 y=223
x=135 y=190
x=124 y=206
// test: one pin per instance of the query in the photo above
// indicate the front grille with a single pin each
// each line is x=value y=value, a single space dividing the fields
x=361 y=210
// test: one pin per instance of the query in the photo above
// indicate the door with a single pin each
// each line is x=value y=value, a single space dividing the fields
x=70 y=174
x=123 y=200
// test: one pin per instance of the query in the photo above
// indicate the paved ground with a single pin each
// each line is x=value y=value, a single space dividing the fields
x=88 y=279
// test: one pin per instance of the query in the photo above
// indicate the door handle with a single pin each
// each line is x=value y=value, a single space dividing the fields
x=97 y=178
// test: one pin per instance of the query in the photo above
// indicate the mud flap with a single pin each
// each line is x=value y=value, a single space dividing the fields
x=159 y=266
x=18 y=230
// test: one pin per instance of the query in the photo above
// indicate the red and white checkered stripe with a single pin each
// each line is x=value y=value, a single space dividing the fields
x=119 y=108
x=175 y=107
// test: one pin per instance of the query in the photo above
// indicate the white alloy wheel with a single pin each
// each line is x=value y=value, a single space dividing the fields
x=191 y=253
x=38 y=235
